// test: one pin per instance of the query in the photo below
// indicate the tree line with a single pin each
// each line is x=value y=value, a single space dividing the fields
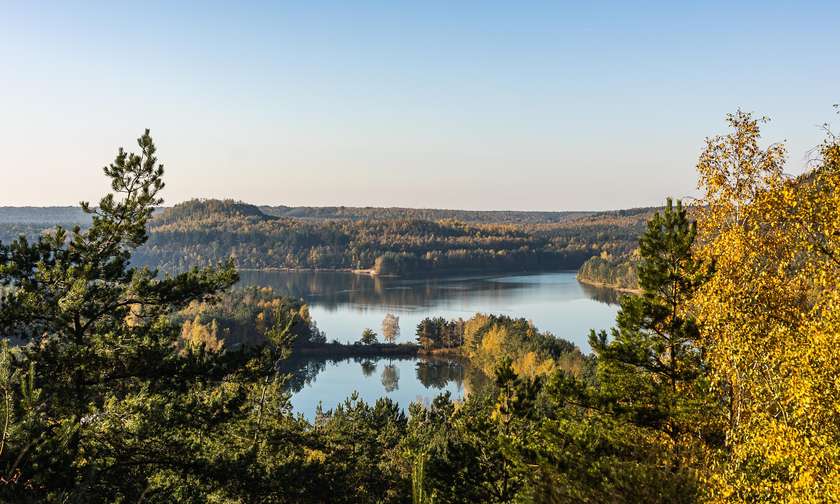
x=618 y=272
x=199 y=233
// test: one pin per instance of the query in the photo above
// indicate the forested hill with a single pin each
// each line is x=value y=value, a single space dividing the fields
x=432 y=214
x=389 y=240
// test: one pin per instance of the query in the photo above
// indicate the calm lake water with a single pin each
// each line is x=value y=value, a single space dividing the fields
x=317 y=381
x=344 y=304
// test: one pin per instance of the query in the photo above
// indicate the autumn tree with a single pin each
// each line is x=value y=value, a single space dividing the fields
x=390 y=378
x=770 y=315
x=390 y=328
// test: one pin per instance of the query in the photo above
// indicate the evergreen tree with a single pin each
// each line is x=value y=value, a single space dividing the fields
x=103 y=405
x=651 y=372
x=651 y=367
x=368 y=337
x=629 y=433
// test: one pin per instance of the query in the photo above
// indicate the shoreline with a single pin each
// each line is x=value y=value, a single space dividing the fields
x=328 y=350
x=604 y=285
x=342 y=350
x=275 y=269
x=432 y=274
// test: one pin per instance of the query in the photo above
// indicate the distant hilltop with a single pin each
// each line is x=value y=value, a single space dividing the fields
x=388 y=241
x=51 y=215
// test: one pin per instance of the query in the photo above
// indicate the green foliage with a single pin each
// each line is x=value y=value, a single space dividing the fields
x=243 y=315
x=100 y=403
x=610 y=271
x=359 y=446
x=203 y=232
x=436 y=333
x=121 y=385
x=637 y=431
x=455 y=453
x=389 y=241
x=368 y=337
x=652 y=366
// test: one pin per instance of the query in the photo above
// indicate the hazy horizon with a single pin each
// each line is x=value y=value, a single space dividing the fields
x=528 y=107
x=171 y=204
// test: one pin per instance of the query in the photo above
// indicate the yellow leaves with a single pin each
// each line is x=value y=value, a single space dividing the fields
x=195 y=334
x=531 y=365
x=770 y=320
x=493 y=341
x=314 y=456
x=472 y=328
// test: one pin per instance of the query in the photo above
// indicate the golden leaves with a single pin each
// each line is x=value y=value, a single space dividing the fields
x=770 y=316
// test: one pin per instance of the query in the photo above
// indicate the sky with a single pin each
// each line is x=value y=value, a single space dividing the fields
x=475 y=105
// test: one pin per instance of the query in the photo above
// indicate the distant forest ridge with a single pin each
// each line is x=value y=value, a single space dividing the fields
x=400 y=241
x=52 y=215
x=431 y=214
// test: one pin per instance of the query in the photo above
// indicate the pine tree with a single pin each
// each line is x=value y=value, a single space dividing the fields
x=109 y=408
x=369 y=337
x=651 y=372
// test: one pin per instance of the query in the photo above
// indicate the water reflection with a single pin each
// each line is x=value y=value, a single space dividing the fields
x=326 y=382
x=368 y=367
x=390 y=378
x=437 y=373
x=602 y=294
x=334 y=290
x=343 y=304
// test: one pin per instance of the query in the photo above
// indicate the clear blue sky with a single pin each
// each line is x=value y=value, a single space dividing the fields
x=484 y=105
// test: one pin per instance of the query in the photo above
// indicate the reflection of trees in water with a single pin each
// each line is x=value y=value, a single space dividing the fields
x=390 y=378
x=437 y=373
x=433 y=373
x=301 y=372
x=602 y=294
x=334 y=289
x=368 y=367
x=475 y=381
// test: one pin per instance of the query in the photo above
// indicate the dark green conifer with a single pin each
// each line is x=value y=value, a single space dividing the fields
x=110 y=407
x=649 y=368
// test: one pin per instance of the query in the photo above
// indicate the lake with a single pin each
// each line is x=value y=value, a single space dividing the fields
x=325 y=382
x=344 y=304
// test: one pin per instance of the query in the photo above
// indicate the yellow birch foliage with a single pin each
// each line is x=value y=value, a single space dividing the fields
x=531 y=365
x=770 y=317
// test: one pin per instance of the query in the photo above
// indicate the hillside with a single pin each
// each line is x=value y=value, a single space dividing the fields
x=397 y=213
x=389 y=240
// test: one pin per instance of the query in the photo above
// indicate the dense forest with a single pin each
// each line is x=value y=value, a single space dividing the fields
x=427 y=214
x=388 y=241
x=200 y=233
x=241 y=317
x=616 y=272
x=491 y=341
x=718 y=383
